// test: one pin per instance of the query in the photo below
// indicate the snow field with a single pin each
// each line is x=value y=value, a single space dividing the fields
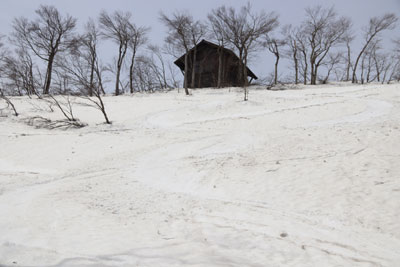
x=306 y=177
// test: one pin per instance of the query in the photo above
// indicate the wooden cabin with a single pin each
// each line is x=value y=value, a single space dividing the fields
x=206 y=66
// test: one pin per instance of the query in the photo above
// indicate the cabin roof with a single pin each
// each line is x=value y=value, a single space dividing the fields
x=180 y=62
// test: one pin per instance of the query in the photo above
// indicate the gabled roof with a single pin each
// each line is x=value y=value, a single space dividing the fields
x=180 y=62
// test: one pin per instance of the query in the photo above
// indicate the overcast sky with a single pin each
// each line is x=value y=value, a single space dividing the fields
x=146 y=13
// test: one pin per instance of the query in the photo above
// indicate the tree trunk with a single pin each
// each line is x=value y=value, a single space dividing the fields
x=328 y=74
x=193 y=81
x=48 y=74
x=131 y=68
x=121 y=55
x=185 y=79
x=369 y=69
x=32 y=88
x=313 y=72
x=385 y=71
x=378 y=70
x=305 y=74
x=240 y=69
x=354 y=78
x=362 y=70
x=296 y=68
x=220 y=57
x=117 y=80
x=245 y=81
x=312 y=78
x=348 y=63
x=91 y=82
x=98 y=74
x=276 y=70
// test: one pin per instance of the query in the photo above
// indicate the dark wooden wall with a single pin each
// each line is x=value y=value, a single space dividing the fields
x=206 y=68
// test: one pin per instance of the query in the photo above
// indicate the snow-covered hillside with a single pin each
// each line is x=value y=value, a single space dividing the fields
x=305 y=177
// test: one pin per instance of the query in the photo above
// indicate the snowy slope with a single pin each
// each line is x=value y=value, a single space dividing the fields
x=306 y=177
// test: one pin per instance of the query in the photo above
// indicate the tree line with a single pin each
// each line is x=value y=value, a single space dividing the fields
x=47 y=55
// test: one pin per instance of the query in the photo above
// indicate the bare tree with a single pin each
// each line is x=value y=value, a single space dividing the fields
x=77 y=72
x=397 y=46
x=395 y=72
x=387 y=65
x=217 y=33
x=274 y=45
x=80 y=69
x=375 y=27
x=159 y=67
x=137 y=39
x=48 y=35
x=117 y=27
x=243 y=30
x=380 y=60
x=333 y=59
x=145 y=78
x=323 y=30
x=293 y=49
x=179 y=37
x=89 y=44
x=375 y=61
x=29 y=73
x=20 y=74
x=2 y=57
x=151 y=72
x=74 y=71
x=2 y=51
x=348 y=39
x=304 y=52
x=17 y=71
x=197 y=32
x=363 y=69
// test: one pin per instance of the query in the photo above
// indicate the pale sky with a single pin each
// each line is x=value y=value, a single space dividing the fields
x=146 y=13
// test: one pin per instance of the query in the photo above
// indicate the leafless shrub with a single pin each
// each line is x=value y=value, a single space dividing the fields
x=97 y=102
x=65 y=105
x=44 y=123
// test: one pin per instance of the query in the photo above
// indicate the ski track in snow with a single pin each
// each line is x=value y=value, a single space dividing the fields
x=374 y=109
x=214 y=187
